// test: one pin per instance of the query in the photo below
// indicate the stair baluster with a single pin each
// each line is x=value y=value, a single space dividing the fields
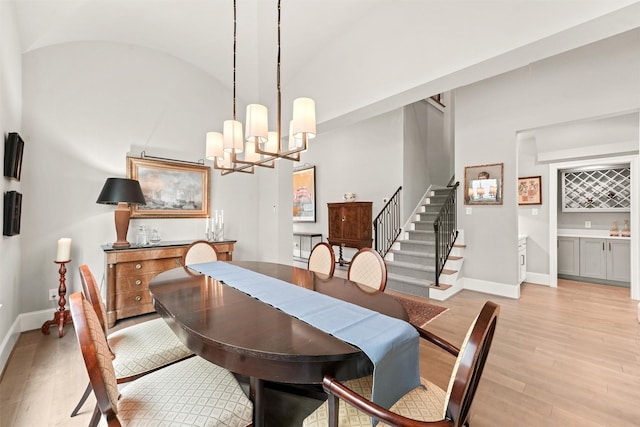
x=446 y=230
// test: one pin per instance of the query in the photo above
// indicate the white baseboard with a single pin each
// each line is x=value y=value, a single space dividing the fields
x=493 y=288
x=538 y=279
x=24 y=322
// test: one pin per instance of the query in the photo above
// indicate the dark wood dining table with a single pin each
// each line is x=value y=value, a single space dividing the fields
x=251 y=338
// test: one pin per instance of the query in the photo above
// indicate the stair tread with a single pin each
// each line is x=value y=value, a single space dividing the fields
x=421 y=231
x=459 y=245
x=441 y=287
x=448 y=272
x=454 y=258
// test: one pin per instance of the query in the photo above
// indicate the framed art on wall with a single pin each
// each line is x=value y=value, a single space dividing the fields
x=530 y=190
x=483 y=184
x=304 y=194
x=171 y=189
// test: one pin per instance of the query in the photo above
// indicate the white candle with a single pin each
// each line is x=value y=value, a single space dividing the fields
x=64 y=250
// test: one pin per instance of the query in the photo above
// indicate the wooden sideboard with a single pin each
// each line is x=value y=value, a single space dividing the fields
x=128 y=272
x=350 y=225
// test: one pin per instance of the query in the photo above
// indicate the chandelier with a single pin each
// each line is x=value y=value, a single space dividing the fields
x=230 y=152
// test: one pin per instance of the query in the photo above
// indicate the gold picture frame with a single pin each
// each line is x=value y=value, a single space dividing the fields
x=483 y=184
x=530 y=190
x=171 y=189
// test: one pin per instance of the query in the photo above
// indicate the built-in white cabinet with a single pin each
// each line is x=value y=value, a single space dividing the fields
x=522 y=259
x=595 y=258
x=569 y=256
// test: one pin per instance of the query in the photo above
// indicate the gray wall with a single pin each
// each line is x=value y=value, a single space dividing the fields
x=596 y=80
x=428 y=152
x=10 y=121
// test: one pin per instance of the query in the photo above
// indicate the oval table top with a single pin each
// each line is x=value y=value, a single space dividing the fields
x=249 y=337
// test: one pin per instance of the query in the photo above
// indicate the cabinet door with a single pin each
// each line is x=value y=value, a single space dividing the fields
x=619 y=260
x=335 y=222
x=352 y=222
x=593 y=258
x=569 y=256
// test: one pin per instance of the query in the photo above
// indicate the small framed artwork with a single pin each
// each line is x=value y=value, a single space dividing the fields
x=483 y=184
x=304 y=194
x=171 y=189
x=530 y=190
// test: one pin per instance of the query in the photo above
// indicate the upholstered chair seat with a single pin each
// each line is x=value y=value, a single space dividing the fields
x=193 y=392
x=423 y=403
x=144 y=347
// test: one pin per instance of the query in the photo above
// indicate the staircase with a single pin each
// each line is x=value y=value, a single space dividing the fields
x=411 y=262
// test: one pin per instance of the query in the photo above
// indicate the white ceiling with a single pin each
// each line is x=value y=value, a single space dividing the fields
x=361 y=41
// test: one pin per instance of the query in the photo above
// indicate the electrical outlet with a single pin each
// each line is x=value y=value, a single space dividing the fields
x=53 y=294
x=587 y=224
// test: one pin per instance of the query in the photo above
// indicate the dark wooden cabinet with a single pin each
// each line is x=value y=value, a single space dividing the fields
x=350 y=225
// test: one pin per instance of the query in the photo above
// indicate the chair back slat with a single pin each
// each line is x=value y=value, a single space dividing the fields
x=322 y=259
x=368 y=268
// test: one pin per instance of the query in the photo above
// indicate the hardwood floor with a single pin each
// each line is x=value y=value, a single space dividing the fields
x=560 y=357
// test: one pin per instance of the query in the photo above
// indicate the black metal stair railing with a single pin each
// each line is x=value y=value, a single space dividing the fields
x=446 y=230
x=386 y=226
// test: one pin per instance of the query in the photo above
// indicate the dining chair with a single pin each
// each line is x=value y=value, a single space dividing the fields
x=368 y=268
x=136 y=350
x=425 y=405
x=322 y=259
x=198 y=252
x=191 y=392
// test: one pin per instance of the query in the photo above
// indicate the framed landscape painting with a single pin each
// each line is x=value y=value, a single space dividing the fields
x=171 y=189
x=304 y=194
x=530 y=190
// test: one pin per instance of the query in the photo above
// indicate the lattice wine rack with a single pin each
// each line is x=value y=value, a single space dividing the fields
x=602 y=189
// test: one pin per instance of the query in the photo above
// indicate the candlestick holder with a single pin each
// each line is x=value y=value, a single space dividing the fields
x=62 y=316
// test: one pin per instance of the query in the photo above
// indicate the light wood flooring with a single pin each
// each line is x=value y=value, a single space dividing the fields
x=561 y=357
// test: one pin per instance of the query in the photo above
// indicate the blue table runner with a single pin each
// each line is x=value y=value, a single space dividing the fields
x=391 y=344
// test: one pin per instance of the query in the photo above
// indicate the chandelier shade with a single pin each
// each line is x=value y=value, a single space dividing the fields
x=262 y=146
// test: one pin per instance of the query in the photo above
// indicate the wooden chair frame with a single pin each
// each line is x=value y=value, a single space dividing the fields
x=465 y=383
x=383 y=266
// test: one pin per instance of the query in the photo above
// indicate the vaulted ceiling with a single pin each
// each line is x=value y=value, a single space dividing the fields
x=360 y=55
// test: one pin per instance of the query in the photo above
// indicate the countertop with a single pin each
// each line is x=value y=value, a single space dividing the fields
x=589 y=232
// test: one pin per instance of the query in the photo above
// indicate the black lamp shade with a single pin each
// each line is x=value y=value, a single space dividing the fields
x=119 y=190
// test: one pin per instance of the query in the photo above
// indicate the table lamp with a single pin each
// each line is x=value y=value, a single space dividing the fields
x=122 y=192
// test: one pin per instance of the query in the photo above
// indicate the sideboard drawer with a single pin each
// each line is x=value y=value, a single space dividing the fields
x=133 y=299
x=147 y=266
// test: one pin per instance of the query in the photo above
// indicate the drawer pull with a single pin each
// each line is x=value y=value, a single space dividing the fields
x=138 y=266
x=138 y=298
x=178 y=261
x=138 y=282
